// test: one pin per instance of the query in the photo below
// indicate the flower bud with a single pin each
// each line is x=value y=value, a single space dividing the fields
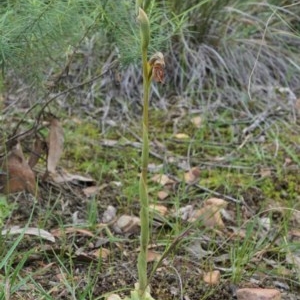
x=145 y=28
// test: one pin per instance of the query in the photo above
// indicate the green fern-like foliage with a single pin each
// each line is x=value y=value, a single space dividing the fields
x=37 y=34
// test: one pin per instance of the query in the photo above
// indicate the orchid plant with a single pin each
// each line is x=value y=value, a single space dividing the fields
x=153 y=69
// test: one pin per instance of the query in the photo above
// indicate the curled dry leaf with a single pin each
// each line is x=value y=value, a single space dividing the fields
x=266 y=223
x=93 y=190
x=295 y=234
x=153 y=256
x=158 y=208
x=212 y=278
x=162 y=179
x=154 y=168
x=30 y=231
x=55 y=147
x=184 y=212
x=101 y=253
x=162 y=195
x=109 y=214
x=63 y=176
x=71 y=230
x=127 y=224
x=210 y=214
x=18 y=176
x=192 y=175
x=197 y=121
x=265 y=172
x=182 y=136
x=220 y=203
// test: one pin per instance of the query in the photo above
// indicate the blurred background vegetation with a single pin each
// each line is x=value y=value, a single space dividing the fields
x=219 y=54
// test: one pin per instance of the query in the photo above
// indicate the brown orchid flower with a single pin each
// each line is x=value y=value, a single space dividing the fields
x=157 y=64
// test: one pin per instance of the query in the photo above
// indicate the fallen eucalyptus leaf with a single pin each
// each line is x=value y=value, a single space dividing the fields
x=17 y=175
x=30 y=231
x=63 y=176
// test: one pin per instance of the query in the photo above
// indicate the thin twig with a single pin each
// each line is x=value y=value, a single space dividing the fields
x=28 y=132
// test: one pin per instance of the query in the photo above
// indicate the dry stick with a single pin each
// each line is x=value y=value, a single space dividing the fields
x=261 y=118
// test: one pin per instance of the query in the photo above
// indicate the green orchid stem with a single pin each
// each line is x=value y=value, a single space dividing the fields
x=144 y=211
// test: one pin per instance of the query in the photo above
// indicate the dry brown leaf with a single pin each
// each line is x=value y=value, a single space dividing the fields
x=109 y=214
x=237 y=233
x=101 y=253
x=30 y=231
x=162 y=179
x=153 y=256
x=265 y=172
x=38 y=148
x=91 y=191
x=127 y=224
x=210 y=214
x=18 y=176
x=182 y=136
x=192 y=175
x=56 y=143
x=197 y=121
x=212 y=278
x=185 y=212
x=109 y=143
x=217 y=202
x=63 y=176
x=160 y=209
x=61 y=232
x=162 y=195
x=295 y=233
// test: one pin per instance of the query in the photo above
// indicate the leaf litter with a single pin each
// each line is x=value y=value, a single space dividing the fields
x=210 y=220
